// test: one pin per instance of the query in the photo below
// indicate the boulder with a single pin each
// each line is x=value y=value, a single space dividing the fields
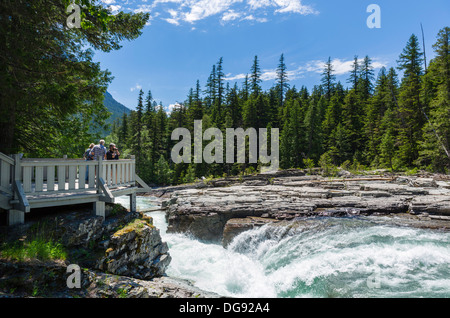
x=136 y=251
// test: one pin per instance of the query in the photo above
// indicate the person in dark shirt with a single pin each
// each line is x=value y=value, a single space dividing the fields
x=113 y=153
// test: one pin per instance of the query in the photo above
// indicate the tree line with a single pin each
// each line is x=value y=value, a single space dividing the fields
x=382 y=121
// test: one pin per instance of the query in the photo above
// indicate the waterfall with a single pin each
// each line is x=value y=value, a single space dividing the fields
x=321 y=257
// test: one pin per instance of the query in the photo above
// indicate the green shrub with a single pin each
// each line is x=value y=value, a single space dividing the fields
x=327 y=166
x=309 y=164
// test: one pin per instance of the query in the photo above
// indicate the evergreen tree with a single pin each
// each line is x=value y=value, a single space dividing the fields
x=374 y=114
x=332 y=118
x=163 y=172
x=51 y=89
x=255 y=77
x=410 y=63
x=435 y=148
x=282 y=79
x=312 y=131
x=354 y=74
x=234 y=108
x=328 y=79
x=137 y=131
x=291 y=139
x=365 y=79
x=123 y=134
x=211 y=89
x=352 y=123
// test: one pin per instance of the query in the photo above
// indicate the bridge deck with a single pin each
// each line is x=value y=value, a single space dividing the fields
x=37 y=183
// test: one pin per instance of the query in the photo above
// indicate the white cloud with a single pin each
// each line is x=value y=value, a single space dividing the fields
x=233 y=78
x=202 y=9
x=108 y=1
x=257 y=4
x=340 y=67
x=294 y=6
x=115 y=8
x=137 y=87
x=192 y=11
x=283 y=6
x=230 y=15
x=252 y=18
x=172 y=107
x=143 y=8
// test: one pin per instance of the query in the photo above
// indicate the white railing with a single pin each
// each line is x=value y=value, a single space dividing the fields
x=43 y=176
x=6 y=173
x=118 y=173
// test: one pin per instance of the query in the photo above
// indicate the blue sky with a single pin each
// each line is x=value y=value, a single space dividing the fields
x=184 y=38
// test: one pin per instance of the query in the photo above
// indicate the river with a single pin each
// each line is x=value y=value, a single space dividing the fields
x=323 y=257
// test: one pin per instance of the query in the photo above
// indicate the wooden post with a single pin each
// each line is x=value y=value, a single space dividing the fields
x=66 y=174
x=133 y=202
x=17 y=168
x=99 y=173
x=133 y=171
x=16 y=217
x=99 y=209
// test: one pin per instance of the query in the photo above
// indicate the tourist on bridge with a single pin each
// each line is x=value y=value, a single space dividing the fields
x=87 y=156
x=99 y=151
x=113 y=153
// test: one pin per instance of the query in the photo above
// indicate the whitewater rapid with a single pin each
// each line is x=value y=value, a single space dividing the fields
x=324 y=257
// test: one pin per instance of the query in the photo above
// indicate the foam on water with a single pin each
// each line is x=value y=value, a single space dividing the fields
x=325 y=257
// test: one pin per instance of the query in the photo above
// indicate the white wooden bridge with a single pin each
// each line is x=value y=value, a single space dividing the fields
x=36 y=183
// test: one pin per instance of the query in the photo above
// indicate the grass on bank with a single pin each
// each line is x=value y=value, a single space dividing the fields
x=36 y=244
x=36 y=249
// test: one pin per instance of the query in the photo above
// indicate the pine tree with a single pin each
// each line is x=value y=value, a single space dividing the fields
x=365 y=86
x=312 y=124
x=387 y=148
x=211 y=89
x=137 y=131
x=163 y=172
x=328 y=79
x=352 y=122
x=292 y=138
x=435 y=147
x=332 y=119
x=282 y=79
x=196 y=107
x=234 y=108
x=245 y=88
x=354 y=74
x=219 y=94
x=410 y=63
x=255 y=77
x=374 y=114
x=123 y=133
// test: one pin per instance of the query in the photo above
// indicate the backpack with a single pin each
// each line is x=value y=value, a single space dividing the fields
x=87 y=154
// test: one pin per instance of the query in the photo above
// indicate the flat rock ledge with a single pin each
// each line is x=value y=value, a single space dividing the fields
x=228 y=207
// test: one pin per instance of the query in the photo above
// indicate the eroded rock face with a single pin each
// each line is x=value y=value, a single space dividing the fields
x=204 y=212
x=136 y=251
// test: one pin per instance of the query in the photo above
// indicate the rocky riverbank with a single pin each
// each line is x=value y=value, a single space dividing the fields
x=221 y=209
x=122 y=256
